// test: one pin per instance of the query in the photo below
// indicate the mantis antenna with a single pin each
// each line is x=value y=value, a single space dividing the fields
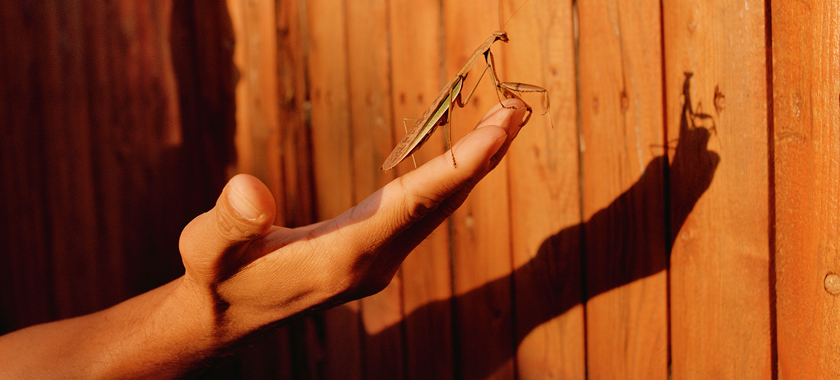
x=503 y=25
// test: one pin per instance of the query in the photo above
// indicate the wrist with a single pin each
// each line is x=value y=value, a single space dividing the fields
x=160 y=334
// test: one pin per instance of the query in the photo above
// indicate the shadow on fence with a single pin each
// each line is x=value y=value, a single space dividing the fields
x=551 y=283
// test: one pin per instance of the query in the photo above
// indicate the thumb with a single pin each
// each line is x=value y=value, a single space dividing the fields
x=244 y=211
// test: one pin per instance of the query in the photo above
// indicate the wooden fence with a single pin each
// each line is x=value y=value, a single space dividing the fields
x=680 y=220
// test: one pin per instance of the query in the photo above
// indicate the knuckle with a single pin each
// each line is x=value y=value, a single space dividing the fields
x=348 y=277
x=419 y=204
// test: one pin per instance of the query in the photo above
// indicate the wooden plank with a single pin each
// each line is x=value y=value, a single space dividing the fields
x=330 y=107
x=623 y=187
x=332 y=164
x=67 y=149
x=806 y=92
x=270 y=357
x=206 y=82
x=26 y=287
x=716 y=106
x=544 y=195
x=480 y=227
x=367 y=33
x=296 y=150
x=257 y=92
x=368 y=26
x=114 y=225
x=417 y=76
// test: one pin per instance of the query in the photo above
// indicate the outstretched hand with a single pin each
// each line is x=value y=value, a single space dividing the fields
x=256 y=273
x=243 y=273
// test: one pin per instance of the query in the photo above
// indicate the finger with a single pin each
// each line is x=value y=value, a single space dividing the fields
x=418 y=231
x=245 y=210
x=512 y=128
x=500 y=124
x=408 y=199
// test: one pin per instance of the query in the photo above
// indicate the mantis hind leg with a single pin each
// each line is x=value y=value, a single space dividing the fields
x=524 y=87
x=513 y=88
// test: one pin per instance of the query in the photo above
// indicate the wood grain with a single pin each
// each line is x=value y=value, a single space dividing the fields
x=329 y=91
x=545 y=195
x=700 y=222
x=716 y=99
x=103 y=168
x=806 y=109
x=623 y=187
x=417 y=75
x=368 y=27
x=332 y=164
x=257 y=92
x=27 y=294
x=482 y=261
x=295 y=144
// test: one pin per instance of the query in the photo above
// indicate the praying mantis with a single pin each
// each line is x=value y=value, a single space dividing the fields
x=440 y=111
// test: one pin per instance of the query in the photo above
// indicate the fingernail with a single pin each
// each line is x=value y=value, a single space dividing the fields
x=242 y=205
x=500 y=141
x=495 y=158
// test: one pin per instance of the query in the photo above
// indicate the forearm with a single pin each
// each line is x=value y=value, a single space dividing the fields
x=159 y=334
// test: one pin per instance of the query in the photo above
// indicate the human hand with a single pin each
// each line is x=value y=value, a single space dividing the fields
x=243 y=274
x=254 y=273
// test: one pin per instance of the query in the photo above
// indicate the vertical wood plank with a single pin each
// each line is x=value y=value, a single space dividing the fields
x=332 y=163
x=268 y=358
x=26 y=286
x=806 y=109
x=426 y=273
x=481 y=226
x=544 y=194
x=67 y=148
x=716 y=89
x=330 y=106
x=368 y=28
x=257 y=93
x=623 y=186
x=97 y=36
x=202 y=48
x=295 y=148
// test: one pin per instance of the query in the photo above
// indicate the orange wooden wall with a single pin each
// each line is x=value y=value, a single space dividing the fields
x=111 y=140
x=679 y=221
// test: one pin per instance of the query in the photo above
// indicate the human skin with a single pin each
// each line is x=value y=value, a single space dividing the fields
x=243 y=274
